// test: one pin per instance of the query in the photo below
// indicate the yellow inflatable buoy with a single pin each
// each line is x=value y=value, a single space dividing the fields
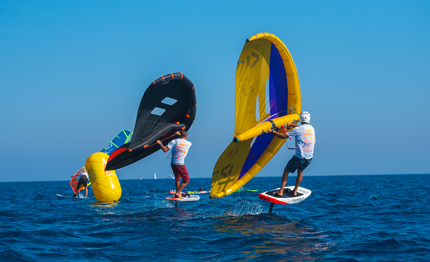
x=105 y=184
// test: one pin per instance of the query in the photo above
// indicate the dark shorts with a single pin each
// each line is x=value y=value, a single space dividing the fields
x=82 y=181
x=297 y=163
x=181 y=171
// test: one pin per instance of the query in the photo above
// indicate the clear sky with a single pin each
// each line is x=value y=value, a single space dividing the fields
x=72 y=74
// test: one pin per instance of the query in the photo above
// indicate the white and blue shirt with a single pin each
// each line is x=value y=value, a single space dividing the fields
x=179 y=148
x=305 y=141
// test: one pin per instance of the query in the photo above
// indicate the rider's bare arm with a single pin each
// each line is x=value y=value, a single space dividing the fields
x=282 y=135
x=164 y=148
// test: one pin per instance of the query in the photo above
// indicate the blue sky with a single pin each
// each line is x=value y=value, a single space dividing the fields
x=72 y=74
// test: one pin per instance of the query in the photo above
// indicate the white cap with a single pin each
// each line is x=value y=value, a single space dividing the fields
x=305 y=117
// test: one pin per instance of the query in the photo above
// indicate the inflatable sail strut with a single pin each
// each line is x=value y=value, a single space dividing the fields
x=267 y=94
x=106 y=185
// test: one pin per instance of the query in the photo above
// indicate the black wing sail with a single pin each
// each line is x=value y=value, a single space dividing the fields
x=168 y=105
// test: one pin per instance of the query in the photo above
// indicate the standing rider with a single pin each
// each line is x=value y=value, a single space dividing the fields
x=179 y=148
x=305 y=142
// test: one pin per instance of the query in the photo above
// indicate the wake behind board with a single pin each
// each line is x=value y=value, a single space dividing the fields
x=287 y=198
x=183 y=199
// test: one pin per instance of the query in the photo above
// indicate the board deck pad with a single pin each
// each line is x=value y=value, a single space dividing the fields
x=287 y=197
x=287 y=193
x=190 y=198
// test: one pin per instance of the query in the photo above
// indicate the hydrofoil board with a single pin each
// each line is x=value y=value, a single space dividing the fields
x=188 y=198
x=287 y=198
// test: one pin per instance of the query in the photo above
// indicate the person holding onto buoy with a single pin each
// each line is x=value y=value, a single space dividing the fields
x=305 y=141
x=180 y=147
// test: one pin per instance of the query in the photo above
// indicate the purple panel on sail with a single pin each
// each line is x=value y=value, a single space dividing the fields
x=257 y=149
x=278 y=88
x=278 y=97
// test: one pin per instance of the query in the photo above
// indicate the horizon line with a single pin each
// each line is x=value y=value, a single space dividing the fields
x=169 y=178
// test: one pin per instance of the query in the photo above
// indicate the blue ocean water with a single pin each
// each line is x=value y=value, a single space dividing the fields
x=347 y=218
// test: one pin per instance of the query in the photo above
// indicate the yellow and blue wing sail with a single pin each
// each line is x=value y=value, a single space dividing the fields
x=267 y=93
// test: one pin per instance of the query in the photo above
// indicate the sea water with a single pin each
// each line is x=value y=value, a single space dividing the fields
x=354 y=218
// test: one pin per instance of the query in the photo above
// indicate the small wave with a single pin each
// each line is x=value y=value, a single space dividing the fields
x=11 y=255
x=385 y=244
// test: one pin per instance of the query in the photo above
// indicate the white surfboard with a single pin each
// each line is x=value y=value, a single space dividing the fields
x=287 y=198
x=80 y=197
x=190 y=198
x=76 y=197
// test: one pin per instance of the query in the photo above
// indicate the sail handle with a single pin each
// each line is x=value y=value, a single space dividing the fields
x=266 y=126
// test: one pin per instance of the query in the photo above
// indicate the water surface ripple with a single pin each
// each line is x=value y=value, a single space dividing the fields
x=347 y=218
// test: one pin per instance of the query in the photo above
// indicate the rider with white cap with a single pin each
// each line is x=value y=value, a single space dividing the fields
x=305 y=142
